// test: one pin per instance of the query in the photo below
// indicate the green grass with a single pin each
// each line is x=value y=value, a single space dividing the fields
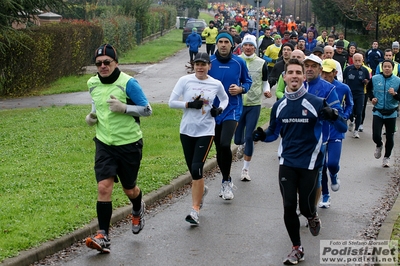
x=156 y=50
x=48 y=182
x=396 y=233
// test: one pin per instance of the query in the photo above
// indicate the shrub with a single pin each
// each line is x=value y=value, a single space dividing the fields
x=46 y=53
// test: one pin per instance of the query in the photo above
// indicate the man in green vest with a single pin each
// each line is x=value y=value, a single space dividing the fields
x=117 y=103
x=389 y=56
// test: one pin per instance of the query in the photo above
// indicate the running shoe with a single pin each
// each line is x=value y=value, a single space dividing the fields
x=295 y=256
x=351 y=126
x=205 y=192
x=356 y=135
x=385 y=162
x=325 y=203
x=335 y=183
x=240 y=151
x=314 y=224
x=226 y=191
x=378 y=152
x=100 y=242
x=245 y=175
x=193 y=217
x=360 y=128
x=138 y=219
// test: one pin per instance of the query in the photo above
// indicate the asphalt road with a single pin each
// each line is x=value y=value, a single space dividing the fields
x=248 y=230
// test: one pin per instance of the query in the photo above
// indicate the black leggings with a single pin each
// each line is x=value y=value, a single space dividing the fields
x=390 y=125
x=196 y=150
x=192 y=55
x=210 y=48
x=364 y=107
x=223 y=137
x=301 y=181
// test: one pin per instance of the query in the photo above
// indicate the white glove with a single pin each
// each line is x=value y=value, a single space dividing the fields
x=91 y=119
x=116 y=105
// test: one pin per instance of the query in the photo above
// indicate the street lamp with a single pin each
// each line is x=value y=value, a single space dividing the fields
x=258 y=2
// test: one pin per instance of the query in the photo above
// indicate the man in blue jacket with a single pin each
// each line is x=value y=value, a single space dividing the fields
x=193 y=42
x=232 y=71
x=297 y=118
x=334 y=145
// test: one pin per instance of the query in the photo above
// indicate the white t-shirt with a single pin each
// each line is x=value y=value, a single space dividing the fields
x=197 y=122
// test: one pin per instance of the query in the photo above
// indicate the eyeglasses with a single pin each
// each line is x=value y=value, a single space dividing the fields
x=105 y=62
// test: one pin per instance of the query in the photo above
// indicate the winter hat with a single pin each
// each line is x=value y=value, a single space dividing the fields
x=395 y=45
x=301 y=38
x=250 y=39
x=224 y=34
x=106 y=49
x=340 y=44
x=288 y=44
x=277 y=36
x=194 y=30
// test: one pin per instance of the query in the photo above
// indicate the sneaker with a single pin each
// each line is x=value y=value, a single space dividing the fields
x=245 y=175
x=335 y=183
x=205 y=192
x=138 y=219
x=295 y=256
x=193 y=217
x=314 y=224
x=226 y=190
x=240 y=151
x=325 y=203
x=385 y=162
x=360 y=128
x=356 y=135
x=99 y=242
x=378 y=152
x=351 y=126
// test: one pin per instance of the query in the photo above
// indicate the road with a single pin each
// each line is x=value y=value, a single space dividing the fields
x=248 y=230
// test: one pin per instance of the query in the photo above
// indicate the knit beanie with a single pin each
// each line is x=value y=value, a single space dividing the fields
x=106 y=49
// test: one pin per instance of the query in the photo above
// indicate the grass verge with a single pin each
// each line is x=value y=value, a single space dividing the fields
x=48 y=185
x=396 y=233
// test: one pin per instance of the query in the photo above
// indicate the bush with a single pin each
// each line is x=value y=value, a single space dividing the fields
x=46 y=53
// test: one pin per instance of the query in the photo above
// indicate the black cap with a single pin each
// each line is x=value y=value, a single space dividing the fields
x=202 y=57
x=318 y=49
x=106 y=49
x=294 y=35
x=340 y=44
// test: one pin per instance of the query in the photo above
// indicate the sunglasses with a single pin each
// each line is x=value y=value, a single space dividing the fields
x=105 y=62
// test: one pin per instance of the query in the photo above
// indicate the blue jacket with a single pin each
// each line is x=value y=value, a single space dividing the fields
x=311 y=45
x=234 y=71
x=327 y=91
x=298 y=121
x=380 y=87
x=346 y=99
x=373 y=58
x=193 y=41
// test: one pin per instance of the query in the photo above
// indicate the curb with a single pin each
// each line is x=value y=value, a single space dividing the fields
x=385 y=232
x=27 y=257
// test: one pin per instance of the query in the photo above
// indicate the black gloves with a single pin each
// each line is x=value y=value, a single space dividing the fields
x=329 y=113
x=215 y=111
x=196 y=104
x=259 y=134
x=273 y=61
